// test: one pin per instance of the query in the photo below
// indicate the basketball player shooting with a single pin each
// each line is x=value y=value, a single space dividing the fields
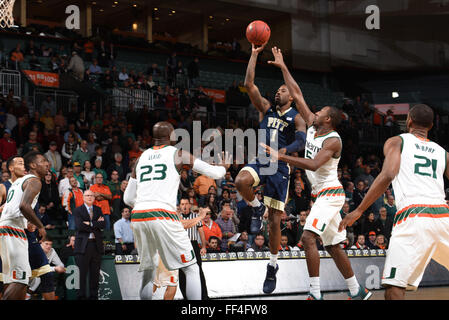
x=322 y=155
x=415 y=166
x=285 y=128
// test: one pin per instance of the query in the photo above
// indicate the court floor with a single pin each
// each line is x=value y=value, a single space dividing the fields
x=427 y=293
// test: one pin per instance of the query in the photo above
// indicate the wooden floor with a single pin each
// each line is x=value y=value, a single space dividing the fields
x=429 y=293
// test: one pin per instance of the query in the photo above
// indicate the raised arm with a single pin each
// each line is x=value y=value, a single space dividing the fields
x=215 y=172
x=31 y=189
x=261 y=104
x=293 y=87
x=390 y=169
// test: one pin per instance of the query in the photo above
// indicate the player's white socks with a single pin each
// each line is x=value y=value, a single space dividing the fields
x=193 y=282
x=273 y=259
x=146 y=286
x=353 y=285
x=315 y=287
x=255 y=203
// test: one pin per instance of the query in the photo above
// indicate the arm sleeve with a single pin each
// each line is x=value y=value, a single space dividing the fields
x=214 y=172
x=298 y=144
x=129 y=197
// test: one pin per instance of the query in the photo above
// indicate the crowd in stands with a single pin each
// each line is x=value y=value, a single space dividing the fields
x=96 y=150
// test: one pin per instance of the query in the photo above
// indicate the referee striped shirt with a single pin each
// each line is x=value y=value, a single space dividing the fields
x=192 y=232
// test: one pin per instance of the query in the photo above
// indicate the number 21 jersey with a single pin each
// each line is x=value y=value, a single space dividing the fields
x=157 y=179
x=420 y=177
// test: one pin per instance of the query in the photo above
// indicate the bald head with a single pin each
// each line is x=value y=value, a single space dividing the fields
x=162 y=130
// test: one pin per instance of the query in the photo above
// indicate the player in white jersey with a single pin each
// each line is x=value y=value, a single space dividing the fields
x=322 y=155
x=415 y=166
x=152 y=191
x=20 y=201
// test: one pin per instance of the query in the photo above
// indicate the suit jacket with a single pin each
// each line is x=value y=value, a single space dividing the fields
x=83 y=230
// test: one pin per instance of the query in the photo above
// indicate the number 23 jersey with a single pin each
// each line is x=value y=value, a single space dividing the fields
x=420 y=177
x=157 y=179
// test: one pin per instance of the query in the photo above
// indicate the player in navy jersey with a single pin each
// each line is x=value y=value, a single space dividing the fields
x=285 y=130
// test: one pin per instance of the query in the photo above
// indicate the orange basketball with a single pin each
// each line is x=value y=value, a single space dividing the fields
x=258 y=32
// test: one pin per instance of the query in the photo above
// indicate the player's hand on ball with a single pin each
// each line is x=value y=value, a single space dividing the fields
x=278 y=58
x=349 y=220
x=258 y=49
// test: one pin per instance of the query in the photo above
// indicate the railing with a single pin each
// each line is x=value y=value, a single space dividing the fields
x=62 y=98
x=11 y=79
x=120 y=98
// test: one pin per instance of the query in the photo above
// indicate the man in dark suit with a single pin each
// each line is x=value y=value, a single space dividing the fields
x=89 y=222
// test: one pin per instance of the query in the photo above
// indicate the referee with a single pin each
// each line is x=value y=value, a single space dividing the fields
x=193 y=232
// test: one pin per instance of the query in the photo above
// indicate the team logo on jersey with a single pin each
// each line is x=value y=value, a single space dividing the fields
x=185 y=259
x=314 y=224
x=18 y=275
x=392 y=273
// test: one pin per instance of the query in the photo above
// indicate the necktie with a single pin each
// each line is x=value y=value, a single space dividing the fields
x=91 y=214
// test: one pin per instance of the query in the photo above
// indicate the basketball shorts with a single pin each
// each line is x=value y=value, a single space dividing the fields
x=164 y=277
x=275 y=192
x=161 y=231
x=38 y=260
x=14 y=254
x=420 y=233
x=324 y=217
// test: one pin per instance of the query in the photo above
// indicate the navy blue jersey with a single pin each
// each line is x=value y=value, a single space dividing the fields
x=7 y=184
x=280 y=126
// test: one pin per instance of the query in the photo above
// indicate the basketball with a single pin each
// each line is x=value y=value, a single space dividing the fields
x=258 y=32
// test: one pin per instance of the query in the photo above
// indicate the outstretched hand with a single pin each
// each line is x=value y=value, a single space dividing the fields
x=225 y=159
x=278 y=58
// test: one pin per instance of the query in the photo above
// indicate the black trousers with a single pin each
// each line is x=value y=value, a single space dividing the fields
x=182 y=277
x=89 y=263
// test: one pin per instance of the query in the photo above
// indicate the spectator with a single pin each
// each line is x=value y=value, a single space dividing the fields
x=79 y=176
x=34 y=63
x=118 y=166
x=88 y=174
x=68 y=250
x=98 y=169
x=202 y=185
x=214 y=245
x=114 y=186
x=360 y=243
x=124 y=239
x=258 y=245
x=365 y=177
x=284 y=244
x=49 y=196
x=88 y=49
x=299 y=201
x=72 y=198
x=69 y=148
x=89 y=222
x=8 y=147
x=81 y=154
x=98 y=155
x=54 y=157
x=193 y=199
x=227 y=226
x=385 y=222
x=349 y=193
x=298 y=225
x=76 y=65
x=50 y=104
x=371 y=243
x=391 y=207
x=211 y=228
x=17 y=57
x=71 y=131
x=94 y=68
x=91 y=144
x=102 y=195
x=185 y=183
x=82 y=125
x=193 y=71
x=31 y=143
x=359 y=193
x=53 y=260
x=242 y=243
x=48 y=120
x=287 y=228
x=370 y=224
x=64 y=184
x=123 y=75
x=381 y=242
